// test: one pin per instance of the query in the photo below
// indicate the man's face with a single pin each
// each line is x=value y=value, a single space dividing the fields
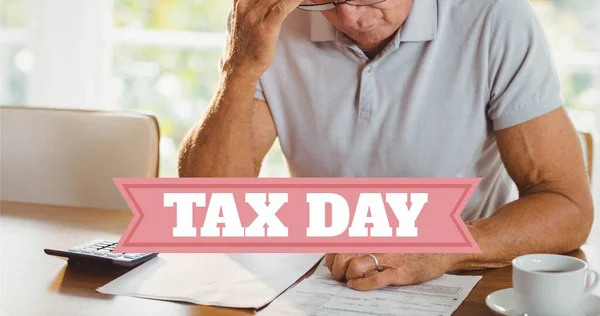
x=369 y=26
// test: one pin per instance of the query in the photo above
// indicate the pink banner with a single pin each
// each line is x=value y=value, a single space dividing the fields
x=297 y=215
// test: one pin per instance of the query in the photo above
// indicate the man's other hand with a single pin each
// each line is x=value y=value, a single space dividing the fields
x=360 y=272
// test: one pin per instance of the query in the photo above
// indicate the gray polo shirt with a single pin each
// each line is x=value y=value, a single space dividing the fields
x=427 y=106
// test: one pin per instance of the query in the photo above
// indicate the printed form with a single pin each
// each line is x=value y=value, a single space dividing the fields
x=321 y=295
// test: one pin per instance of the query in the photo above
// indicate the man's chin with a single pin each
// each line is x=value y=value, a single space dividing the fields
x=368 y=40
x=365 y=31
x=373 y=35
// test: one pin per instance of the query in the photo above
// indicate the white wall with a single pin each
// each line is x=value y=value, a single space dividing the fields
x=70 y=43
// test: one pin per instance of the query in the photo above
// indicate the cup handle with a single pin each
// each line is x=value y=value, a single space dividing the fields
x=591 y=286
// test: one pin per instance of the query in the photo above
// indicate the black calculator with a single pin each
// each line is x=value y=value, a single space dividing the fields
x=101 y=251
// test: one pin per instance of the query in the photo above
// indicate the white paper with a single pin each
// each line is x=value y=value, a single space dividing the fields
x=321 y=295
x=231 y=280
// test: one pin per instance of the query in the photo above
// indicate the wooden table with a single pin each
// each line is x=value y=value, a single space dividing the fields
x=33 y=283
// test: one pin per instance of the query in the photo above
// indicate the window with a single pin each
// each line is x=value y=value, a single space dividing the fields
x=161 y=56
x=165 y=61
x=152 y=55
x=572 y=27
x=15 y=59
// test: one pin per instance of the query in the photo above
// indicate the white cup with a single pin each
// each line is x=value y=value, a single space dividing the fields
x=561 y=292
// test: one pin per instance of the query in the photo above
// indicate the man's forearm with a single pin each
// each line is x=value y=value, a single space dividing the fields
x=543 y=222
x=221 y=145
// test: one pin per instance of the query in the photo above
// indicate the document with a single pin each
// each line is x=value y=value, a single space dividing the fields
x=230 y=280
x=321 y=295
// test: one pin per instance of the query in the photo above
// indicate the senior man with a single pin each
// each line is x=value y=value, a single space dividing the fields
x=404 y=88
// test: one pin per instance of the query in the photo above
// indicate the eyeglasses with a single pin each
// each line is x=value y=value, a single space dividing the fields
x=316 y=5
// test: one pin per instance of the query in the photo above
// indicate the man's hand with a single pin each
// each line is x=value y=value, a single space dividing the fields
x=360 y=272
x=255 y=27
x=238 y=130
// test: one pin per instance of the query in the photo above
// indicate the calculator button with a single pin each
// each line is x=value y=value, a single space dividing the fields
x=75 y=249
x=87 y=250
x=101 y=252
x=114 y=254
x=132 y=255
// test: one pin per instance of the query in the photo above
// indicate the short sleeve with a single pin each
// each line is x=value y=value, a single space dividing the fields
x=258 y=92
x=523 y=80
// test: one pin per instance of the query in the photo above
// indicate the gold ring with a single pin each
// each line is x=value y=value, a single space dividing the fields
x=376 y=261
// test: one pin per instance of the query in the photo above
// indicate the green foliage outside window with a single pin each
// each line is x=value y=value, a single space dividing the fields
x=175 y=84
x=12 y=13
x=182 y=15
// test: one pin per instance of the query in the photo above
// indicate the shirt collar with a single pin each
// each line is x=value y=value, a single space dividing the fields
x=420 y=26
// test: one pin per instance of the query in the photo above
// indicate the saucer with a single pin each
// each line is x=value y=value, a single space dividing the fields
x=503 y=303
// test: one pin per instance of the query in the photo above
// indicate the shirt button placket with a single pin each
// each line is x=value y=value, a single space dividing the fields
x=364 y=112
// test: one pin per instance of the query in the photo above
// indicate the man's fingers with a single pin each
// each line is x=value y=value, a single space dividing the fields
x=246 y=5
x=242 y=5
x=340 y=265
x=375 y=280
x=271 y=12
x=329 y=258
x=359 y=266
x=280 y=9
x=264 y=7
